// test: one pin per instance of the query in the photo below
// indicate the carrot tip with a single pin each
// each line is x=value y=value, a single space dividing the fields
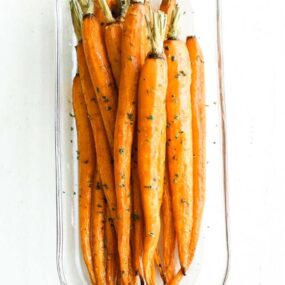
x=183 y=270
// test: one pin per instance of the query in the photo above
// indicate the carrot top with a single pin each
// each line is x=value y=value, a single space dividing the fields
x=107 y=11
x=174 y=28
x=156 y=28
x=76 y=15
x=87 y=6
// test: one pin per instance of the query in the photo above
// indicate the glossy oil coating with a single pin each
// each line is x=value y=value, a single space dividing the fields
x=100 y=73
x=126 y=116
x=104 y=155
x=151 y=152
x=87 y=162
x=179 y=143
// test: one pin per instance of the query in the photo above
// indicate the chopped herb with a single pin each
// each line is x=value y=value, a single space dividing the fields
x=109 y=108
x=71 y=141
x=176 y=117
x=98 y=186
x=74 y=193
x=71 y=128
x=135 y=217
x=166 y=47
x=71 y=115
x=173 y=58
x=122 y=185
x=180 y=73
x=78 y=154
x=105 y=99
x=97 y=90
x=130 y=58
x=147 y=186
x=123 y=176
x=85 y=161
x=167 y=125
x=104 y=186
x=99 y=206
x=121 y=150
x=151 y=234
x=150 y=117
x=130 y=116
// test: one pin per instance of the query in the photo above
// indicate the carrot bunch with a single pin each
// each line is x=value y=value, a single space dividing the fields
x=138 y=100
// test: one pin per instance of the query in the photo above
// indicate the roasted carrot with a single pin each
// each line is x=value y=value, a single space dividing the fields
x=179 y=138
x=100 y=70
x=98 y=229
x=168 y=232
x=199 y=137
x=124 y=130
x=87 y=161
x=86 y=155
x=113 y=37
x=153 y=274
x=199 y=143
x=158 y=262
x=104 y=155
x=137 y=215
x=111 y=248
x=151 y=139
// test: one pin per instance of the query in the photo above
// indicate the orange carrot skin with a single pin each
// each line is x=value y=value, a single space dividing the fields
x=168 y=234
x=179 y=144
x=87 y=162
x=199 y=137
x=98 y=228
x=111 y=245
x=124 y=130
x=104 y=155
x=199 y=143
x=151 y=146
x=137 y=215
x=113 y=39
x=100 y=73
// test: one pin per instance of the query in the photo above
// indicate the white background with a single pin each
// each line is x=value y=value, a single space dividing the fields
x=254 y=48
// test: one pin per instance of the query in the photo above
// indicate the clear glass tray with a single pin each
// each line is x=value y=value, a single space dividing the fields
x=210 y=265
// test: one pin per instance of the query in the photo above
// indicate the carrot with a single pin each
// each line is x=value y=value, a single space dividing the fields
x=167 y=6
x=124 y=129
x=98 y=228
x=111 y=245
x=100 y=70
x=199 y=143
x=151 y=139
x=199 y=137
x=168 y=235
x=179 y=138
x=104 y=155
x=86 y=156
x=137 y=215
x=87 y=161
x=159 y=264
x=113 y=37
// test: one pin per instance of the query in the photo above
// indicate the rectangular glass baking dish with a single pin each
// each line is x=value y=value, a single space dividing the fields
x=210 y=266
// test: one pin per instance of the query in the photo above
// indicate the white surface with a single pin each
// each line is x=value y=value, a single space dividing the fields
x=254 y=44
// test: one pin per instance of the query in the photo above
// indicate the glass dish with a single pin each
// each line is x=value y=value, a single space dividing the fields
x=210 y=265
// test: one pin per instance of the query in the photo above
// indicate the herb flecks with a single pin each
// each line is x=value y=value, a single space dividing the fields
x=121 y=150
x=135 y=217
x=150 y=117
x=180 y=73
x=105 y=99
